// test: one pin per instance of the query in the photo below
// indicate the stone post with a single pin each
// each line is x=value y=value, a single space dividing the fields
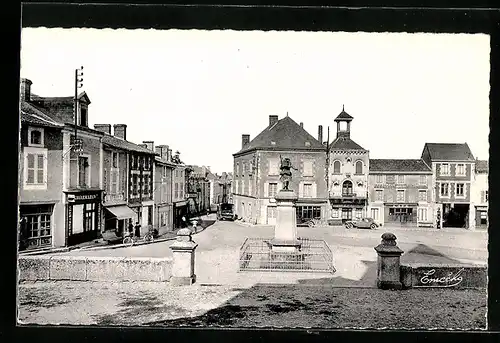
x=388 y=263
x=285 y=230
x=183 y=259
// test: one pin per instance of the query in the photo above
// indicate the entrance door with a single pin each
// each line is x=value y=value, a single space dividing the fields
x=346 y=214
x=271 y=215
x=347 y=189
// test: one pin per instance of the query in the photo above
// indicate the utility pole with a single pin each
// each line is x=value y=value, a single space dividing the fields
x=141 y=181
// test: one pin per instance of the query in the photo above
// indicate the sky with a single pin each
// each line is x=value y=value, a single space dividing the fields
x=199 y=91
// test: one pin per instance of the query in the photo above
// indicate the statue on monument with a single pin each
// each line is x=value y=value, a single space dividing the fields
x=286 y=172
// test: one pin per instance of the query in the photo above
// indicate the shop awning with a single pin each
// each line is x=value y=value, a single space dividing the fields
x=121 y=212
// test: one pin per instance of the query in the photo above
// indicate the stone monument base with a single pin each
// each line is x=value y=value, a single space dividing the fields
x=285 y=246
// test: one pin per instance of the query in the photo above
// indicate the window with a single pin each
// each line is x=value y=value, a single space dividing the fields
x=359 y=167
x=83 y=171
x=336 y=167
x=35 y=137
x=35 y=168
x=236 y=169
x=401 y=179
x=176 y=190
x=83 y=116
x=379 y=178
x=374 y=212
x=181 y=190
x=145 y=188
x=308 y=168
x=460 y=169
x=379 y=195
x=422 y=195
x=422 y=179
x=460 y=190
x=135 y=184
x=308 y=212
x=272 y=190
x=389 y=178
x=273 y=166
x=335 y=213
x=88 y=217
x=400 y=195
x=444 y=190
x=115 y=159
x=445 y=169
x=307 y=190
x=422 y=214
x=114 y=181
x=36 y=225
x=359 y=213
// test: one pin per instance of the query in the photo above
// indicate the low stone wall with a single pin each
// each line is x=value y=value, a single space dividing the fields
x=443 y=276
x=81 y=268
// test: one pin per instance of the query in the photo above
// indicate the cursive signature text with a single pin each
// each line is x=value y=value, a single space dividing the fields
x=447 y=281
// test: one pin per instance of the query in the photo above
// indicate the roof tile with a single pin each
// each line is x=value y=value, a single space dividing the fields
x=398 y=165
x=449 y=151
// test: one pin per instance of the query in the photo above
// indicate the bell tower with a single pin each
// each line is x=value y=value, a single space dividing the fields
x=343 y=121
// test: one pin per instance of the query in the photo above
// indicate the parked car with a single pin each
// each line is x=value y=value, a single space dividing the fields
x=226 y=212
x=303 y=222
x=365 y=223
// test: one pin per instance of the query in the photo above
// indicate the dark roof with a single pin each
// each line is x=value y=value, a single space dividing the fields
x=345 y=143
x=63 y=99
x=396 y=165
x=286 y=134
x=449 y=151
x=343 y=116
x=119 y=143
x=482 y=166
x=164 y=161
x=33 y=115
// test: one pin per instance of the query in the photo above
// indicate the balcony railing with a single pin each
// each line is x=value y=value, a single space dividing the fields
x=338 y=195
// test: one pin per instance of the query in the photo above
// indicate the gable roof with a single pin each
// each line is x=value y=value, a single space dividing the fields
x=33 y=115
x=116 y=142
x=60 y=99
x=482 y=166
x=449 y=151
x=286 y=134
x=345 y=143
x=343 y=116
x=399 y=165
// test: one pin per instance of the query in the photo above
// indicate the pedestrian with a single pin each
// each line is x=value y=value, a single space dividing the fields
x=137 y=229
x=184 y=224
x=130 y=228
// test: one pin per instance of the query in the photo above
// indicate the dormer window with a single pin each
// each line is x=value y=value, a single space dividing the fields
x=35 y=137
x=83 y=116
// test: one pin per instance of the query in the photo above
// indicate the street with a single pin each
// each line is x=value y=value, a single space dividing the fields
x=354 y=256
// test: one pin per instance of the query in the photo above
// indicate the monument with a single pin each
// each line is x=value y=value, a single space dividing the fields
x=285 y=251
x=285 y=231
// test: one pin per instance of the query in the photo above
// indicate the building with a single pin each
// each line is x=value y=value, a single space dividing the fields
x=199 y=182
x=347 y=175
x=42 y=214
x=257 y=172
x=117 y=215
x=82 y=179
x=180 y=190
x=164 y=206
x=453 y=172
x=220 y=188
x=400 y=192
x=480 y=193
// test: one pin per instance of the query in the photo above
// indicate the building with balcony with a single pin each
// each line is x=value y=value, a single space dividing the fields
x=347 y=174
x=453 y=171
x=479 y=196
x=42 y=214
x=256 y=174
x=400 y=192
x=164 y=206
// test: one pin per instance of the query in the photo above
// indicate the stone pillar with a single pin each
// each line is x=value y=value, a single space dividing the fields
x=285 y=230
x=388 y=263
x=472 y=217
x=183 y=259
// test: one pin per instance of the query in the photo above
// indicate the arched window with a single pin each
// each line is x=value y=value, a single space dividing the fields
x=336 y=167
x=347 y=188
x=359 y=167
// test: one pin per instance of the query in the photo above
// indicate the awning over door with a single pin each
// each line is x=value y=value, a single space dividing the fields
x=121 y=212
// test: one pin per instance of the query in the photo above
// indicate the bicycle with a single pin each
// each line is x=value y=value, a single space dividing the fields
x=131 y=239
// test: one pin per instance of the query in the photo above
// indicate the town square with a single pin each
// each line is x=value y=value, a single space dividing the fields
x=228 y=179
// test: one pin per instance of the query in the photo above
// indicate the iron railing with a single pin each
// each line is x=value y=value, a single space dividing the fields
x=256 y=254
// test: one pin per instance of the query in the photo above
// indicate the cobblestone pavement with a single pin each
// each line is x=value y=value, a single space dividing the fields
x=299 y=305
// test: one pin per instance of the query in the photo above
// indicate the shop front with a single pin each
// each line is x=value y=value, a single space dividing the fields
x=180 y=210
x=36 y=225
x=116 y=221
x=400 y=214
x=164 y=218
x=83 y=219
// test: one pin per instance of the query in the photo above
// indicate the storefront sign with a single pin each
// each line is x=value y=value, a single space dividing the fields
x=437 y=277
x=70 y=220
x=85 y=197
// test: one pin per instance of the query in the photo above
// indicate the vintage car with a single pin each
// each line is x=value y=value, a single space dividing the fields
x=365 y=223
x=226 y=212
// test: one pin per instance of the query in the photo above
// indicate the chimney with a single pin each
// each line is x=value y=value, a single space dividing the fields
x=120 y=130
x=273 y=120
x=106 y=128
x=158 y=149
x=26 y=89
x=245 y=139
x=320 y=133
x=168 y=153
x=150 y=145
x=301 y=124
